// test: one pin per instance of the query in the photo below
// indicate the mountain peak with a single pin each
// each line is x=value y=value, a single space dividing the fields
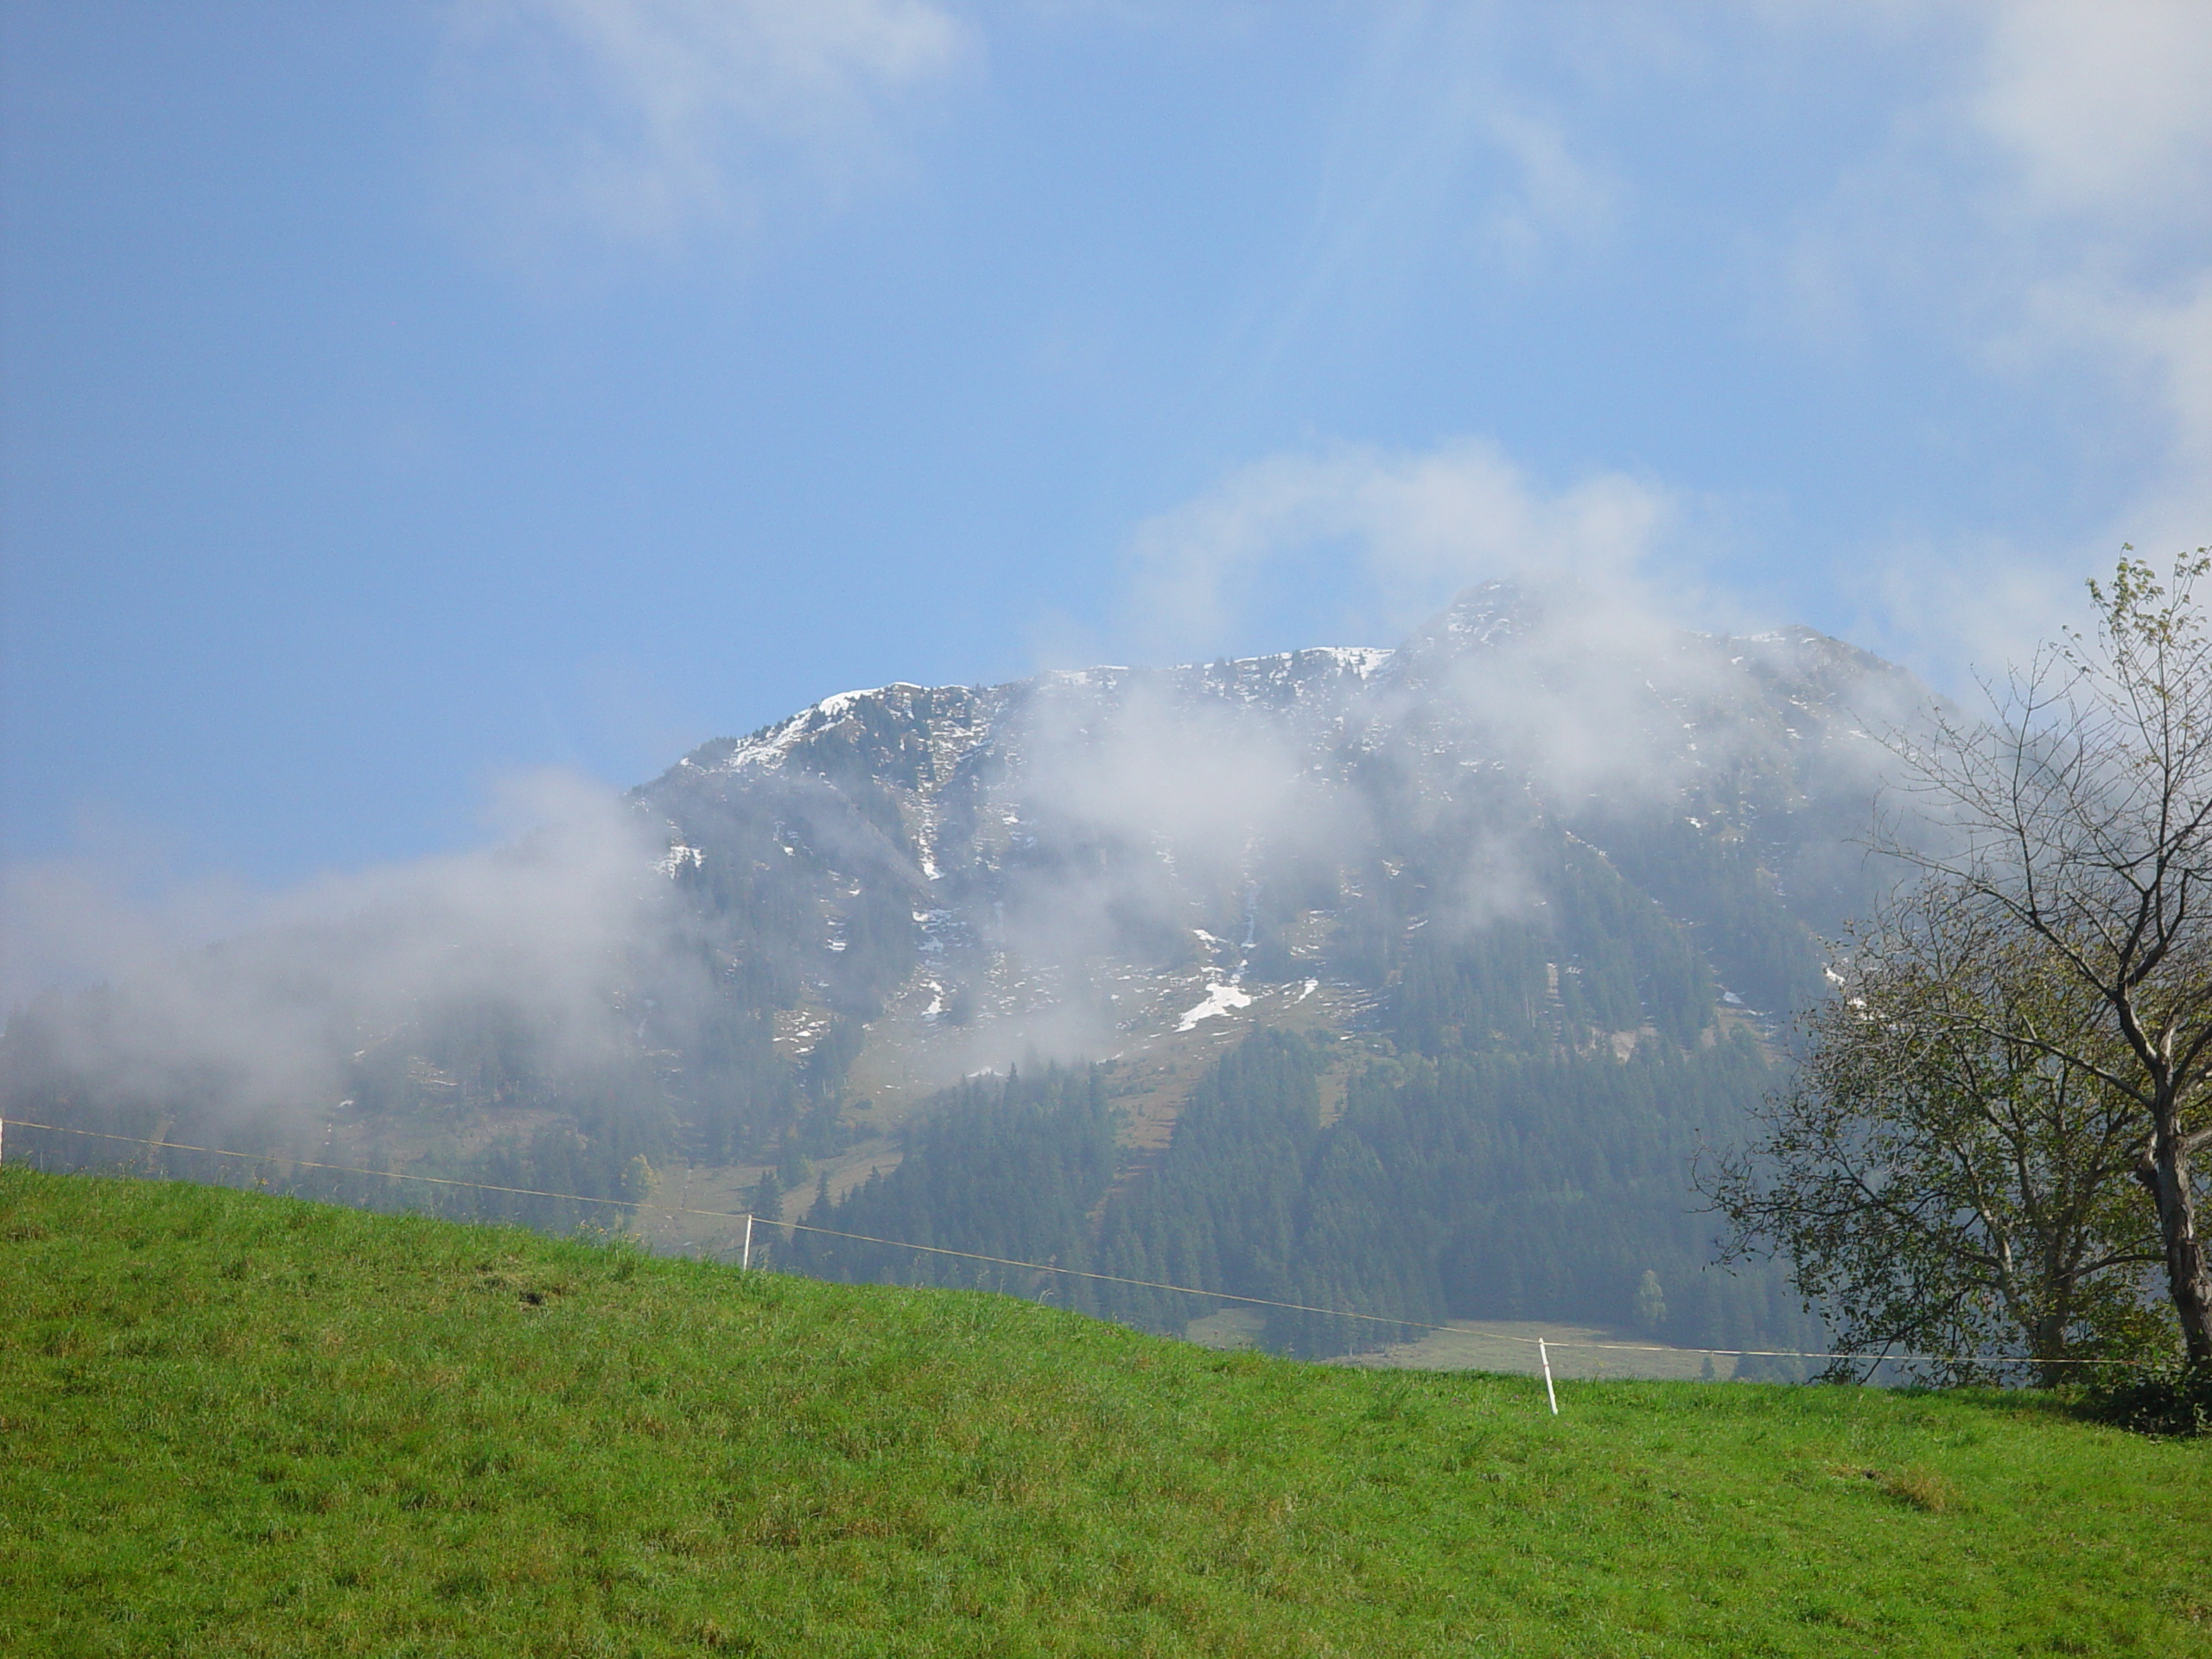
x=1492 y=611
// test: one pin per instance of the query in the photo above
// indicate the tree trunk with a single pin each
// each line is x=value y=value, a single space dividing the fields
x=2046 y=1341
x=2164 y=1170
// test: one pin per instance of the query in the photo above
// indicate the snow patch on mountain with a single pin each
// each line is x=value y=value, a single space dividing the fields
x=677 y=857
x=1221 y=999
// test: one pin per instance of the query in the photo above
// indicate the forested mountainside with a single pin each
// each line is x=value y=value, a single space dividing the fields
x=1507 y=1186
x=1524 y=905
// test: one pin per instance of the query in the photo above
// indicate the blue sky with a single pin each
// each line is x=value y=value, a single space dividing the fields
x=397 y=397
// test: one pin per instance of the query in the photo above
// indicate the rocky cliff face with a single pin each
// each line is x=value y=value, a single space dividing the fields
x=1082 y=859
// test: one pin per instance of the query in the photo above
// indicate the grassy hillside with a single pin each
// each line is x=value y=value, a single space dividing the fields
x=235 y=1424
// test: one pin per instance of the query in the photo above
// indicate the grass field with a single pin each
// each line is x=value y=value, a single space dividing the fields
x=233 y=1424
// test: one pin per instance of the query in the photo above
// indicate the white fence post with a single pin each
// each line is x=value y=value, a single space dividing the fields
x=1550 y=1394
x=745 y=1261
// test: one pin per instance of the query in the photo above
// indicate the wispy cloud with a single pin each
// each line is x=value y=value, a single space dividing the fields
x=2100 y=110
x=1558 y=197
x=1437 y=151
x=2100 y=115
x=1411 y=527
x=2043 y=208
x=545 y=922
x=645 y=121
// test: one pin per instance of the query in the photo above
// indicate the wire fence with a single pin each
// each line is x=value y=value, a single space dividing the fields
x=1542 y=1345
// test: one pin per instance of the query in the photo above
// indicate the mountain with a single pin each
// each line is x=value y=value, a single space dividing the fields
x=1406 y=981
x=953 y=856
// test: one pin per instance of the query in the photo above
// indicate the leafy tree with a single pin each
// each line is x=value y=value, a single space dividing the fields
x=1939 y=1177
x=2079 y=822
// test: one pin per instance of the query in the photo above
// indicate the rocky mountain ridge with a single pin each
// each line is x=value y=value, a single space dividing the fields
x=1236 y=817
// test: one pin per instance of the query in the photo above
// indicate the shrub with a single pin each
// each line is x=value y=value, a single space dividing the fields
x=2171 y=1398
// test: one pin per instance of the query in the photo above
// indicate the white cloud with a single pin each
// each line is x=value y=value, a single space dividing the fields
x=541 y=918
x=2101 y=113
x=2152 y=344
x=644 y=120
x=1416 y=526
x=2101 y=108
x=559 y=877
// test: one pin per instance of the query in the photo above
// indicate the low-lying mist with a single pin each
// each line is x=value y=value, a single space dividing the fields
x=545 y=932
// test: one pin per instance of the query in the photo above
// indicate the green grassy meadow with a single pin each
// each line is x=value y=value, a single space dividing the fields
x=236 y=1424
